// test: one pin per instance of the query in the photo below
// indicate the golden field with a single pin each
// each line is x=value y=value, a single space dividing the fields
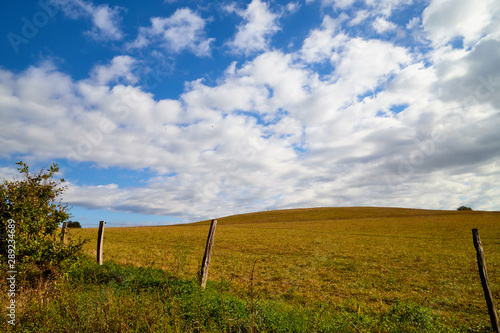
x=356 y=259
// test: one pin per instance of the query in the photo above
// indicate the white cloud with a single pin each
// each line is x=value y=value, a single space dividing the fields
x=444 y=20
x=287 y=81
x=208 y=157
x=263 y=86
x=381 y=25
x=292 y=7
x=7 y=173
x=370 y=15
x=238 y=93
x=364 y=64
x=322 y=43
x=472 y=77
x=184 y=30
x=121 y=67
x=413 y=23
x=361 y=15
x=105 y=20
x=382 y=8
x=386 y=7
x=254 y=35
x=342 y=4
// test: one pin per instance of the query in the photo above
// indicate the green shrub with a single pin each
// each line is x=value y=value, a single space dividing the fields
x=30 y=214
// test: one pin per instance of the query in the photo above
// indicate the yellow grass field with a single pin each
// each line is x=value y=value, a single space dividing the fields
x=355 y=259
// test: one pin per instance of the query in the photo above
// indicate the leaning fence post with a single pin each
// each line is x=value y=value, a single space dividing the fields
x=203 y=275
x=63 y=231
x=100 y=239
x=483 y=274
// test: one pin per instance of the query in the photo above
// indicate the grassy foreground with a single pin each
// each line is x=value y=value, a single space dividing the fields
x=310 y=270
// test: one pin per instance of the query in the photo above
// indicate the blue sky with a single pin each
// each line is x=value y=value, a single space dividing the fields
x=163 y=112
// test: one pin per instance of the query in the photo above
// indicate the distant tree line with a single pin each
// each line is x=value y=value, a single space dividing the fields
x=74 y=224
x=464 y=208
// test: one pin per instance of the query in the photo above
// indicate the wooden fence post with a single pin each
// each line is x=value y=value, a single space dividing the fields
x=100 y=239
x=63 y=231
x=203 y=275
x=483 y=274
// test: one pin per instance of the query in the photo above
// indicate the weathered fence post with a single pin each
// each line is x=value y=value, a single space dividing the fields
x=483 y=274
x=203 y=275
x=63 y=231
x=100 y=239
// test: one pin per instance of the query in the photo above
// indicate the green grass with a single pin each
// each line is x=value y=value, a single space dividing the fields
x=314 y=270
x=118 y=298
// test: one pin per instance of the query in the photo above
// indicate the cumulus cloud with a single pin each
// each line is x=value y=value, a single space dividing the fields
x=364 y=64
x=472 y=78
x=208 y=156
x=259 y=25
x=292 y=7
x=445 y=20
x=413 y=23
x=8 y=173
x=342 y=4
x=361 y=15
x=121 y=67
x=381 y=25
x=105 y=19
x=383 y=8
x=125 y=127
x=386 y=7
x=184 y=30
x=322 y=43
x=367 y=18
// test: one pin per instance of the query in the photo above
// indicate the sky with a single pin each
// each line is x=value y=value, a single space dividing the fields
x=163 y=112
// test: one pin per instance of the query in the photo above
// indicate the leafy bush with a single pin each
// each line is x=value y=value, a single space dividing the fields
x=30 y=214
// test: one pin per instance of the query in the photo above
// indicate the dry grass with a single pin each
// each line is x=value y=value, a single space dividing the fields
x=358 y=259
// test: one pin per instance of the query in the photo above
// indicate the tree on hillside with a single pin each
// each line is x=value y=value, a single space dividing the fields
x=74 y=224
x=30 y=214
x=464 y=208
